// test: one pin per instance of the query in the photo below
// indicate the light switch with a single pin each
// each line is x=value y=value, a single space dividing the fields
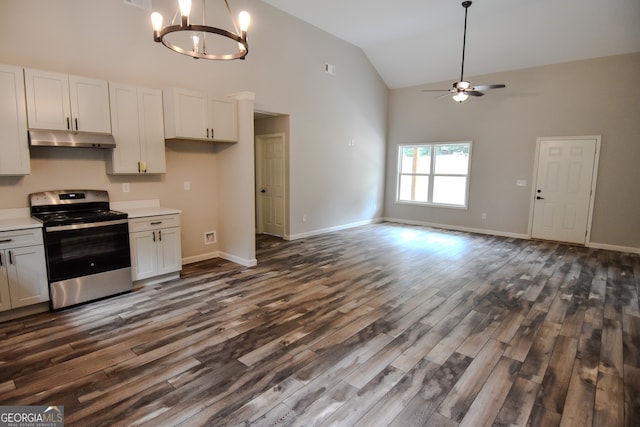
x=187 y=185
x=521 y=183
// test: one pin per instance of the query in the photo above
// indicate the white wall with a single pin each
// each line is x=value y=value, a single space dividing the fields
x=330 y=182
x=579 y=98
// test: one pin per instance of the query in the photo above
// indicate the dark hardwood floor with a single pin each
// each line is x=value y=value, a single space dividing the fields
x=373 y=326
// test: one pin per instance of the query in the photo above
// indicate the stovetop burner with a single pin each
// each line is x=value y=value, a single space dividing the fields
x=65 y=207
x=78 y=217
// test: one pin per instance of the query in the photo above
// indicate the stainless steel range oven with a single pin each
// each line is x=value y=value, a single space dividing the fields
x=86 y=245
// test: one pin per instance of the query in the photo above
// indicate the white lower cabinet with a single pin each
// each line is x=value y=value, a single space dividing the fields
x=155 y=246
x=23 y=272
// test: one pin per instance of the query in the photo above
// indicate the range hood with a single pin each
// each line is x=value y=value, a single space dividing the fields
x=60 y=138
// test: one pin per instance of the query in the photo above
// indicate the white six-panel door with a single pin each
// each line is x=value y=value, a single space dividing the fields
x=564 y=187
x=270 y=184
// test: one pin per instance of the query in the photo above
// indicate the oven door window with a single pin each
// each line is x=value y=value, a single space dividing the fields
x=85 y=251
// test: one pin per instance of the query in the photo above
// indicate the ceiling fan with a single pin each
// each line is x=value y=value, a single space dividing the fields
x=462 y=89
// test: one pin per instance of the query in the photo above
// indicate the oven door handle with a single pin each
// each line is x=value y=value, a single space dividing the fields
x=87 y=225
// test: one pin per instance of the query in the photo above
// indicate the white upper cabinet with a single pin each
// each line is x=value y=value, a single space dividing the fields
x=14 y=143
x=190 y=114
x=137 y=121
x=62 y=102
x=223 y=119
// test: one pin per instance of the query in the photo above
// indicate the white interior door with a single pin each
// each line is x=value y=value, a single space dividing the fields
x=565 y=182
x=270 y=184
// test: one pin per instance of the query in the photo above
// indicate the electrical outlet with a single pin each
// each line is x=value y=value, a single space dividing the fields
x=304 y=218
x=330 y=69
x=125 y=187
x=187 y=185
x=484 y=215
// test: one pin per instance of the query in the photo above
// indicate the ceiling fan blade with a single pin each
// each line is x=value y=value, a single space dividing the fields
x=486 y=87
x=435 y=90
x=473 y=93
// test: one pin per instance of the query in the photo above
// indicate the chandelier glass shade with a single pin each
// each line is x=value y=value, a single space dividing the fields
x=196 y=41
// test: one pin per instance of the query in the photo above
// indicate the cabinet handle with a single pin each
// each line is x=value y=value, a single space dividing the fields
x=76 y=123
x=6 y=240
x=1 y=260
x=68 y=124
x=138 y=167
x=154 y=236
x=160 y=234
x=207 y=132
x=212 y=133
x=155 y=223
x=10 y=258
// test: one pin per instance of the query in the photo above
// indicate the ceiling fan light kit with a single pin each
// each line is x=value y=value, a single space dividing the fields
x=462 y=89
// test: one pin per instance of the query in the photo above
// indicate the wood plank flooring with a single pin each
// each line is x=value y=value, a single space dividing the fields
x=380 y=325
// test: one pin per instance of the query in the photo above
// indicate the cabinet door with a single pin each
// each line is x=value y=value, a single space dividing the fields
x=90 y=105
x=169 y=250
x=14 y=143
x=223 y=120
x=48 y=105
x=126 y=130
x=27 y=276
x=5 y=298
x=144 y=260
x=151 y=130
x=186 y=114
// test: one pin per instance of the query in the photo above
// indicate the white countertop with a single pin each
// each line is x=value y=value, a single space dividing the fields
x=17 y=219
x=149 y=211
x=143 y=208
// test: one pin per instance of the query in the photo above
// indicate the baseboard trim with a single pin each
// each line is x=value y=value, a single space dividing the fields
x=457 y=228
x=252 y=263
x=331 y=229
x=223 y=255
x=201 y=257
x=614 y=248
x=238 y=260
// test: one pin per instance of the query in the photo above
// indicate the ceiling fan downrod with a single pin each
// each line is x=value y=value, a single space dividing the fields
x=466 y=5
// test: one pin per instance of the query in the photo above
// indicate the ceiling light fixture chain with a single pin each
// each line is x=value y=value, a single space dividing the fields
x=198 y=50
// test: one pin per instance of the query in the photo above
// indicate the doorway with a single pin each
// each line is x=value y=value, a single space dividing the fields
x=565 y=181
x=271 y=184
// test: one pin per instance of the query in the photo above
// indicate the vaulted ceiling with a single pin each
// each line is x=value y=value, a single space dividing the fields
x=413 y=42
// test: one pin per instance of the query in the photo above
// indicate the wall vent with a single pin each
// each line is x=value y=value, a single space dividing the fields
x=210 y=237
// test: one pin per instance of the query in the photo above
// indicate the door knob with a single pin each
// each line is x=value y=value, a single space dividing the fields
x=540 y=198
x=263 y=191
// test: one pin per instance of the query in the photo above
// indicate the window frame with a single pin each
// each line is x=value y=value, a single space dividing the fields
x=432 y=174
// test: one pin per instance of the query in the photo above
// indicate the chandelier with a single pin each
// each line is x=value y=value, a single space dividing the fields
x=191 y=39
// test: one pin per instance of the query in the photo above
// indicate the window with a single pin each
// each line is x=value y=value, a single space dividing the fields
x=434 y=174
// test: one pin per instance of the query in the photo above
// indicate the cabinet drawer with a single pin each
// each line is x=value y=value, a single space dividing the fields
x=20 y=238
x=153 y=222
